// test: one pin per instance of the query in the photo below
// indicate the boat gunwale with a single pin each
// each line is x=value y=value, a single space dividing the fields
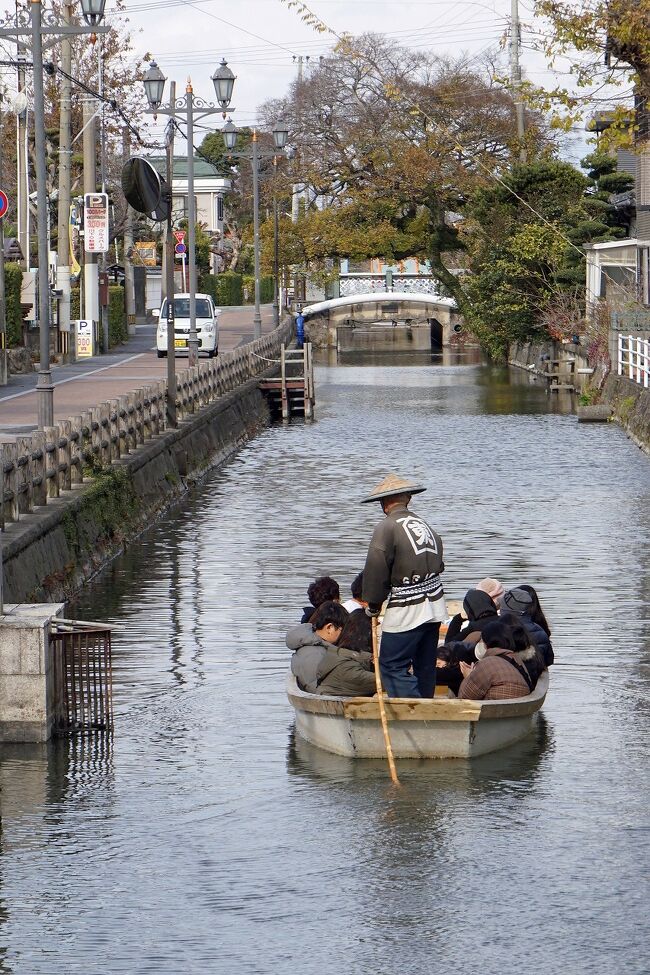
x=418 y=709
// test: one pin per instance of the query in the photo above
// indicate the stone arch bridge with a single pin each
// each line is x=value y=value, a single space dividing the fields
x=390 y=321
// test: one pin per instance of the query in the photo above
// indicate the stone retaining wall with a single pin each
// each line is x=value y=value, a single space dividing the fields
x=631 y=405
x=51 y=553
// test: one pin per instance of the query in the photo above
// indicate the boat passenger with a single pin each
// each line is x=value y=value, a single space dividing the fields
x=520 y=601
x=321 y=590
x=322 y=667
x=537 y=613
x=357 y=632
x=526 y=650
x=403 y=565
x=356 y=589
x=498 y=676
x=479 y=610
x=449 y=656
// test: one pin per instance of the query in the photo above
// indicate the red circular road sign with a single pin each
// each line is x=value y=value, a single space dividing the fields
x=4 y=204
x=180 y=249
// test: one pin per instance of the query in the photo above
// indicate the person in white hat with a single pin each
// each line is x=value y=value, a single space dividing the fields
x=404 y=562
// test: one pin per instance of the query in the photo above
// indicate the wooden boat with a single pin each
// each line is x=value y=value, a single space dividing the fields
x=439 y=727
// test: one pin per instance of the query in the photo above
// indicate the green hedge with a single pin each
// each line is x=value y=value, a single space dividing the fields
x=266 y=288
x=225 y=289
x=117 y=325
x=14 y=318
x=75 y=300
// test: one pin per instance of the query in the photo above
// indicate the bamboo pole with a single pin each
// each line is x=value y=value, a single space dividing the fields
x=382 y=709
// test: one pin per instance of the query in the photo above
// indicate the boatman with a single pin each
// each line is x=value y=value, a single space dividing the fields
x=403 y=566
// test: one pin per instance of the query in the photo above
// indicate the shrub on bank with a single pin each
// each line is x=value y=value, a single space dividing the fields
x=14 y=318
x=225 y=289
x=266 y=289
x=117 y=325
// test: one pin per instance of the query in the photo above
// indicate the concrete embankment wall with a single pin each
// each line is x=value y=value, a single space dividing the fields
x=52 y=552
x=629 y=401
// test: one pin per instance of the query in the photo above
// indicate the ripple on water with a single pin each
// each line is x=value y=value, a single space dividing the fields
x=206 y=837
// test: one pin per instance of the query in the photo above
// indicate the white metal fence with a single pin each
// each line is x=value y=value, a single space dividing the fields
x=634 y=359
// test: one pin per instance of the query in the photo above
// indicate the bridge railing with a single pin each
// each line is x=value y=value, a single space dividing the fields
x=39 y=467
x=360 y=283
x=634 y=359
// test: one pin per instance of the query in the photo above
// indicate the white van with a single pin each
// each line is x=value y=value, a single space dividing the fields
x=207 y=325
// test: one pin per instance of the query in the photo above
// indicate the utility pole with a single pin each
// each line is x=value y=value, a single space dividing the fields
x=65 y=152
x=257 y=318
x=298 y=188
x=169 y=269
x=129 y=284
x=3 y=307
x=102 y=178
x=91 y=278
x=21 y=162
x=515 y=77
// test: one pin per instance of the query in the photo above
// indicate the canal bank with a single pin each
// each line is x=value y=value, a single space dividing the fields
x=100 y=498
x=567 y=365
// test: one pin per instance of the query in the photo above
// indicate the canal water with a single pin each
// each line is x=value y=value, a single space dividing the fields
x=206 y=838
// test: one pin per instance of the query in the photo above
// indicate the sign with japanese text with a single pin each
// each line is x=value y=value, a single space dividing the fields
x=96 y=223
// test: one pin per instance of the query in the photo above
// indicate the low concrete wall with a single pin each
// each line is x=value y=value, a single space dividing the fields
x=573 y=364
x=630 y=402
x=49 y=554
x=631 y=405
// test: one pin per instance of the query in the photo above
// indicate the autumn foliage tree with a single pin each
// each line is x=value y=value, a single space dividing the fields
x=390 y=142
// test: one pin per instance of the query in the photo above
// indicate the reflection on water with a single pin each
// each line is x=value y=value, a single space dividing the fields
x=204 y=838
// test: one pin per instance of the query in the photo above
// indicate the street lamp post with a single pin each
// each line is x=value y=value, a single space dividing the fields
x=154 y=86
x=93 y=11
x=280 y=136
x=191 y=109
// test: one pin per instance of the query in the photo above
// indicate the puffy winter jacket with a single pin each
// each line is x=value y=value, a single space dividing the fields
x=323 y=668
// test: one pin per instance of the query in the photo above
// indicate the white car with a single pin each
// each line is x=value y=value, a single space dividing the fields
x=207 y=325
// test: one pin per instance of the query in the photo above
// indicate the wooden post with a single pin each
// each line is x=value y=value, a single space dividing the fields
x=283 y=385
x=382 y=709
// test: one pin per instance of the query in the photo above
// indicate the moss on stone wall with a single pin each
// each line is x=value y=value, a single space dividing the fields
x=108 y=509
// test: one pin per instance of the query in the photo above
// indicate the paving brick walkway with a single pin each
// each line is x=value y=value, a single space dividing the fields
x=85 y=384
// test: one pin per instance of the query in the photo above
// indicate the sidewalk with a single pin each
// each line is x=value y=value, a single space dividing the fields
x=88 y=383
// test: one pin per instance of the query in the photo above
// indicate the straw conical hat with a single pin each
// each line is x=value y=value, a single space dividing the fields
x=393 y=485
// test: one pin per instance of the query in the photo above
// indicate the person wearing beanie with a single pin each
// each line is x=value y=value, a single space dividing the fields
x=492 y=587
x=403 y=566
x=479 y=609
x=520 y=602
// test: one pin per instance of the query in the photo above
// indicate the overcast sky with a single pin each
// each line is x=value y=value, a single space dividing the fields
x=262 y=39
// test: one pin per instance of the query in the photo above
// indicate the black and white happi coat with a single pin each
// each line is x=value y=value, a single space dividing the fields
x=404 y=563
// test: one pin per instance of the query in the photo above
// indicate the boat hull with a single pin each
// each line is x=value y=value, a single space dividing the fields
x=437 y=728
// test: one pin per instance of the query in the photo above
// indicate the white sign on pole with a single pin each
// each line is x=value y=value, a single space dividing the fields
x=96 y=230
x=84 y=335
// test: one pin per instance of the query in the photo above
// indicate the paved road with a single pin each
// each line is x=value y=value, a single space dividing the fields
x=87 y=383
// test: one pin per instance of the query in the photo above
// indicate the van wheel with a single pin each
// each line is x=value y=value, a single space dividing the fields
x=162 y=355
x=213 y=353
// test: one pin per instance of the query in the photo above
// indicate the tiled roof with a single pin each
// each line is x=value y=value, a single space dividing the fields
x=201 y=167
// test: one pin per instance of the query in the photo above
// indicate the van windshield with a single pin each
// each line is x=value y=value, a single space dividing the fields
x=182 y=308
